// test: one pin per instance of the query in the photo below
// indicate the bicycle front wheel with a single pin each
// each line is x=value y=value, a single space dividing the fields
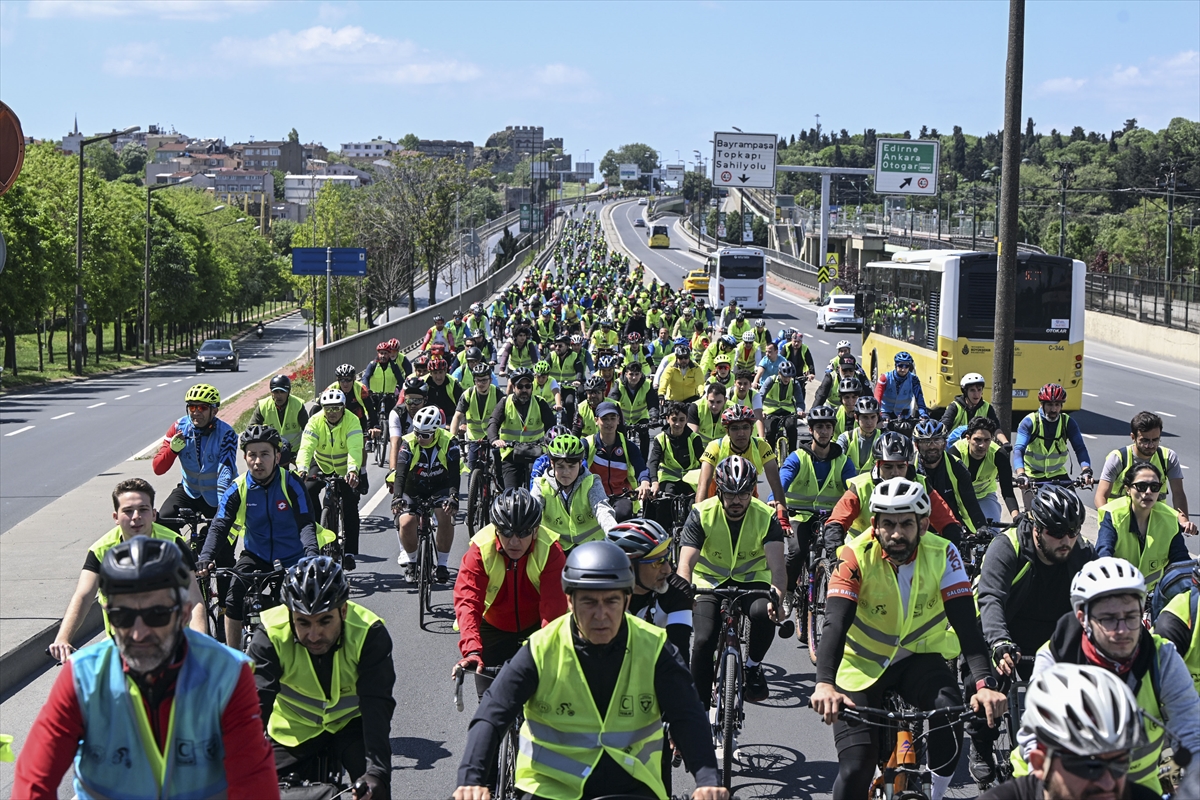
x=424 y=577
x=506 y=766
x=782 y=451
x=474 y=500
x=819 y=584
x=729 y=714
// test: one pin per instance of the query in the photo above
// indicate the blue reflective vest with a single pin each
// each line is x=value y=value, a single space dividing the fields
x=118 y=756
x=899 y=392
x=209 y=461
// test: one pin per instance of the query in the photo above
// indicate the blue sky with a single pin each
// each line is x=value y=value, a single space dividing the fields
x=597 y=74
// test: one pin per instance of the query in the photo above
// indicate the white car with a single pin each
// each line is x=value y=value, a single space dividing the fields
x=643 y=201
x=838 y=312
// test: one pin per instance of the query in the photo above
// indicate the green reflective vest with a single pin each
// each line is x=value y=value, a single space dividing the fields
x=1150 y=555
x=710 y=425
x=804 y=491
x=113 y=538
x=521 y=357
x=779 y=397
x=860 y=453
x=517 y=430
x=563 y=368
x=718 y=561
x=962 y=416
x=495 y=564
x=336 y=450
x=383 y=379
x=302 y=710
x=633 y=406
x=959 y=493
x=441 y=441
x=1044 y=460
x=864 y=486
x=985 y=483
x=883 y=623
x=1183 y=605
x=669 y=468
x=477 y=417
x=288 y=427
x=1126 y=454
x=575 y=525
x=843 y=422
x=544 y=390
x=564 y=736
x=588 y=415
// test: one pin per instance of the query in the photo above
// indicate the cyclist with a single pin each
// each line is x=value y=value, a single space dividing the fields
x=762 y=336
x=635 y=349
x=596 y=651
x=1040 y=447
x=634 y=395
x=133 y=511
x=733 y=538
x=969 y=405
x=324 y=672
x=567 y=367
x=545 y=328
x=1179 y=623
x=1145 y=429
x=847 y=368
x=897 y=391
x=442 y=390
x=207 y=451
x=858 y=444
x=841 y=350
x=1084 y=722
x=474 y=409
x=782 y=396
x=747 y=354
x=660 y=596
x=358 y=397
x=584 y=423
x=704 y=416
x=509 y=583
x=722 y=371
x=606 y=370
x=400 y=420
x=284 y=413
x=889 y=600
x=1024 y=588
x=849 y=390
x=739 y=440
x=768 y=365
x=428 y=467
x=674 y=456
x=604 y=336
x=574 y=502
x=744 y=395
x=383 y=377
x=519 y=351
x=740 y=327
x=153 y=685
x=546 y=387
x=617 y=463
x=989 y=467
x=1105 y=630
x=722 y=345
x=465 y=365
x=728 y=315
x=442 y=334
x=945 y=474
x=332 y=445
x=268 y=506
x=797 y=352
x=1139 y=527
x=517 y=424
x=681 y=380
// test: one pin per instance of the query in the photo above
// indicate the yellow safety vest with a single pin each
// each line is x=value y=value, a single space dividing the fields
x=958 y=493
x=516 y=430
x=710 y=426
x=521 y=357
x=1162 y=527
x=576 y=525
x=288 y=427
x=1159 y=459
x=718 y=562
x=496 y=565
x=743 y=359
x=985 y=483
x=882 y=624
x=563 y=737
x=544 y=390
x=563 y=369
x=773 y=400
x=302 y=711
x=477 y=420
x=336 y=450
x=804 y=492
x=843 y=422
x=1042 y=461
x=588 y=415
x=383 y=380
x=634 y=406
x=1183 y=605
x=602 y=339
x=113 y=538
x=669 y=468
x=853 y=451
x=962 y=416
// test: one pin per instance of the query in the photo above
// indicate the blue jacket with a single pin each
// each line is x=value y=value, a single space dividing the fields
x=898 y=393
x=279 y=525
x=209 y=461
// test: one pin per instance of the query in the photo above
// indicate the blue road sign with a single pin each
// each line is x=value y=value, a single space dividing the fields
x=346 y=260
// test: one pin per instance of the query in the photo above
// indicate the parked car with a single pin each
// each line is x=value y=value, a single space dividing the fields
x=217 y=354
x=838 y=312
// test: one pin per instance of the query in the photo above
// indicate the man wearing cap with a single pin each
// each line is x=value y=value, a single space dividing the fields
x=617 y=462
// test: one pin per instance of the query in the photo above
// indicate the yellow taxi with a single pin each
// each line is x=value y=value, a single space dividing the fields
x=696 y=282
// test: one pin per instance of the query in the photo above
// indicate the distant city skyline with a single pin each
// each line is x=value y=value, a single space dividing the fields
x=599 y=75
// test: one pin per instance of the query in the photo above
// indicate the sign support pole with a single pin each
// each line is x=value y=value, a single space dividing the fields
x=328 y=284
x=824 y=248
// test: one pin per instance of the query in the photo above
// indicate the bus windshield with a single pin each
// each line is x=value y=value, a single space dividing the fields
x=1043 y=290
x=658 y=230
x=742 y=267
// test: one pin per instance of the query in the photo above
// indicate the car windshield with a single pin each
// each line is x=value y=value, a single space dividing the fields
x=217 y=346
x=841 y=300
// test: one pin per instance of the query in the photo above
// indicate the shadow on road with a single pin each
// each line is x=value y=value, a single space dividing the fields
x=425 y=752
x=784 y=773
x=1100 y=424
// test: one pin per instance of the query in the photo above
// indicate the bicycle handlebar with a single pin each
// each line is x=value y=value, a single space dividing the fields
x=787 y=628
x=884 y=716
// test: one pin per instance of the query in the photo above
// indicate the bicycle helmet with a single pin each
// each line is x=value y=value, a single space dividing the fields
x=928 y=429
x=903 y=357
x=143 y=564
x=555 y=432
x=849 y=386
x=259 y=433
x=546 y=312
x=1082 y=709
x=344 y=371
x=741 y=316
x=597 y=565
x=332 y=397
x=747 y=337
x=1057 y=508
x=760 y=323
x=394 y=344
x=382 y=347
x=683 y=351
x=541 y=368
x=737 y=413
x=515 y=511
x=866 y=405
x=437 y=363
x=415 y=386
x=596 y=383
x=566 y=445
x=607 y=362
x=634 y=337
x=736 y=475
x=281 y=383
x=891 y=446
x=900 y=496
x=575 y=338
x=787 y=370
x=482 y=370
x=439 y=318
x=203 y=393
x=971 y=379
x=729 y=341
x=822 y=413
x=427 y=421
x=606 y=323
x=844 y=343
x=315 y=584
x=1105 y=577
x=1052 y=393
x=473 y=354
x=680 y=340
x=722 y=359
x=640 y=538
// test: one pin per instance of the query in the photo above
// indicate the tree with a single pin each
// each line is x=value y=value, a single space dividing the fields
x=293 y=136
x=410 y=141
x=958 y=150
x=102 y=158
x=1077 y=134
x=479 y=205
x=696 y=187
x=133 y=158
x=645 y=156
x=278 y=178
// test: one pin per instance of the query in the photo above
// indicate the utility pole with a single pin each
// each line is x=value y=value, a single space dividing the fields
x=1065 y=169
x=1006 y=256
x=1171 y=176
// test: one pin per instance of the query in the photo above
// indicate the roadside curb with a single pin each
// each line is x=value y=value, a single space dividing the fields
x=29 y=657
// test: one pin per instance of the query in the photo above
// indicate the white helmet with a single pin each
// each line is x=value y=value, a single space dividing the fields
x=899 y=496
x=1082 y=709
x=971 y=379
x=427 y=420
x=1104 y=577
x=332 y=397
x=748 y=337
x=843 y=343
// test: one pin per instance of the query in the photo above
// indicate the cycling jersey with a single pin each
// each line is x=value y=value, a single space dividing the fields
x=896 y=394
x=208 y=461
x=274 y=518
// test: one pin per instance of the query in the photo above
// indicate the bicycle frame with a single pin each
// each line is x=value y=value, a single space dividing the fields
x=256 y=584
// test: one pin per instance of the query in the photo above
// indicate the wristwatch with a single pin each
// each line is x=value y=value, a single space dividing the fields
x=987 y=683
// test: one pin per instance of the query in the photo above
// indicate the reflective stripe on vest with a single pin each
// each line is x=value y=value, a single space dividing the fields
x=289 y=427
x=985 y=483
x=520 y=357
x=563 y=369
x=1040 y=461
x=574 y=526
x=882 y=624
x=477 y=421
x=331 y=447
x=1159 y=459
x=1183 y=605
x=669 y=468
x=718 y=562
x=200 y=459
x=1152 y=557
x=634 y=406
x=515 y=430
x=383 y=379
x=772 y=401
x=803 y=491
x=496 y=565
x=959 y=493
x=564 y=737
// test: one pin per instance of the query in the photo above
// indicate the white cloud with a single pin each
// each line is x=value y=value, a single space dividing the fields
x=137 y=59
x=560 y=75
x=1061 y=85
x=164 y=9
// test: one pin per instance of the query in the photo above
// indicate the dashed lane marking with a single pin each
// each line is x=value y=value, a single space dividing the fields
x=1088 y=436
x=1144 y=371
x=1123 y=403
x=20 y=430
x=375 y=500
x=162 y=384
x=1089 y=394
x=68 y=414
x=1164 y=414
x=822 y=341
x=177 y=380
x=148 y=388
x=97 y=405
x=122 y=397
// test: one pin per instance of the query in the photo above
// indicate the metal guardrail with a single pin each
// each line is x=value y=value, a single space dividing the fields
x=1154 y=302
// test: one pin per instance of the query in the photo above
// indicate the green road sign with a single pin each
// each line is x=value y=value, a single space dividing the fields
x=906 y=166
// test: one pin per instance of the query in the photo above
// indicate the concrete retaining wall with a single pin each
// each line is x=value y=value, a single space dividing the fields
x=1138 y=337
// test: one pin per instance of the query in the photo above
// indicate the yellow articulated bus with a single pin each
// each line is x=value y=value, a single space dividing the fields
x=659 y=236
x=940 y=306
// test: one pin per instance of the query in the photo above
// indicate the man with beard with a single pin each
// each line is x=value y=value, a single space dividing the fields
x=153 y=684
x=1024 y=588
x=945 y=474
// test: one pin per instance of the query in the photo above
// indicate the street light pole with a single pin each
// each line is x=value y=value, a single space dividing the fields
x=146 y=269
x=1064 y=176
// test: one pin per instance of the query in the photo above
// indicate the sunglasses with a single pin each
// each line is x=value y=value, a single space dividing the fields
x=1090 y=769
x=198 y=406
x=524 y=386
x=525 y=534
x=1147 y=486
x=1059 y=534
x=154 y=616
x=654 y=561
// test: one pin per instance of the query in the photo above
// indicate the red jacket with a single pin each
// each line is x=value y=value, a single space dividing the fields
x=517 y=607
x=847 y=508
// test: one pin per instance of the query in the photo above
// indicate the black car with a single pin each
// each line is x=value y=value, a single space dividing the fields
x=217 y=354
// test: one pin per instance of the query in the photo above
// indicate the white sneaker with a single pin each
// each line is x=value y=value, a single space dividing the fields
x=720 y=750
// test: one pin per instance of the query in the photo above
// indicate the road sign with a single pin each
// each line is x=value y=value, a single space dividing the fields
x=747 y=227
x=721 y=225
x=345 y=260
x=823 y=275
x=744 y=160
x=832 y=260
x=525 y=218
x=906 y=166
x=628 y=172
x=12 y=148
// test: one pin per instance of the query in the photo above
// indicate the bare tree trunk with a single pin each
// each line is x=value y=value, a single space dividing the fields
x=50 y=335
x=40 y=326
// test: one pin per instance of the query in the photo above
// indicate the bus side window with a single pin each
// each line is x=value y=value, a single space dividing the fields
x=860 y=305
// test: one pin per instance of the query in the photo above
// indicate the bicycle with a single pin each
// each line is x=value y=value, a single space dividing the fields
x=328 y=783
x=903 y=773
x=378 y=443
x=812 y=585
x=426 y=560
x=261 y=587
x=681 y=507
x=191 y=519
x=975 y=545
x=731 y=659
x=481 y=488
x=778 y=433
x=505 y=785
x=1007 y=726
x=333 y=518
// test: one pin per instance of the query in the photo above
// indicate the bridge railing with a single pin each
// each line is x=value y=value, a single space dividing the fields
x=1171 y=304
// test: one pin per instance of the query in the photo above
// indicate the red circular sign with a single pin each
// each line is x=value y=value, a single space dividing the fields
x=726 y=177
x=12 y=148
x=923 y=182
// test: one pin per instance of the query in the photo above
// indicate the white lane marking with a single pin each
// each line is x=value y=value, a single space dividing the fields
x=162 y=384
x=97 y=405
x=68 y=414
x=1164 y=414
x=1088 y=436
x=1144 y=371
x=20 y=430
x=822 y=341
x=1089 y=394
x=148 y=388
x=1185 y=466
x=375 y=500
x=122 y=397
x=1123 y=403
x=177 y=380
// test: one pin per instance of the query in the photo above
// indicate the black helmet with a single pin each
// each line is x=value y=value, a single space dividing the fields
x=143 y=564
x=849 y=385
x=415 y=386
x=640 y=538
x=822 y=413
x=314 y=585
x=259 y=433
x=892 y=446
x=482 y=369
x=1057 y=508
x=736 y=475
x=520 y=374
x=281 y=382
x=596 y=383
x=866 y=405
x=474 y=354
x=515 y=511
x=597 y=565
x=344 y=371
x=787 y=370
